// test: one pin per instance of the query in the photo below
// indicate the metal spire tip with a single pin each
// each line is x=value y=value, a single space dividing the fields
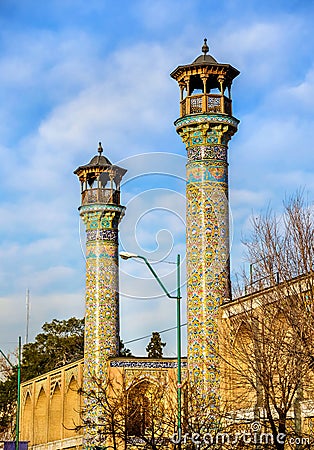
x=100 y=149
x=205 y=48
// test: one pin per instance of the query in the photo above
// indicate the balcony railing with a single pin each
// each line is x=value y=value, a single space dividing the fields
x=262 y=283
x=101 y=195
x=206 y=103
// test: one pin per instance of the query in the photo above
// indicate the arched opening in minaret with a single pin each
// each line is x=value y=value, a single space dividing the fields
x=213 y=86
x=205 y=94
x=196 y=92
x=215 y=90
x=196 y=85
x=90 y=181
x=104 y=180
x=100 y=188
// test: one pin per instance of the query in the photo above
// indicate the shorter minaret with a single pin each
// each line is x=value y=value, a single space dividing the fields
x=101 y=213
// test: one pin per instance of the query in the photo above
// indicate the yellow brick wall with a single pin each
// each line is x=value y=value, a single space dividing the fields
x=50 y=405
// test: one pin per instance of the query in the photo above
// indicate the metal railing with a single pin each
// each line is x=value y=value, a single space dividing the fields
x=262 y=283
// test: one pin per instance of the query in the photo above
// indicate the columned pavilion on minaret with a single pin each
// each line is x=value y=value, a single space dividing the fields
x=206 y=125
x=101 y=213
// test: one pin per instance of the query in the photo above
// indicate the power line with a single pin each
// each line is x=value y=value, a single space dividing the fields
x=149 y=335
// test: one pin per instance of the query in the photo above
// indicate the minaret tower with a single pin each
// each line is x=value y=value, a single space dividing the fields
x=101 y=213
x=206 y=125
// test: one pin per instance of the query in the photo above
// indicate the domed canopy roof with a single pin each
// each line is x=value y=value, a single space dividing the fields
x=206 y=64
x=99 y=160
x=205 y=59
x=99 y=164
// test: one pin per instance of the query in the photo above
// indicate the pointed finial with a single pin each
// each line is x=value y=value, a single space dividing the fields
x=100 y=149
x=205 y=48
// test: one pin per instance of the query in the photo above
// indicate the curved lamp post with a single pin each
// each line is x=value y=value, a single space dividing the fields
x=127 y=255
x=17 y=428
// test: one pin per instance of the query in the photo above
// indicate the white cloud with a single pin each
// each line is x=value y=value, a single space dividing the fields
x=43 y=308
x=162 y=14
x=63 y=91
x=258 y=47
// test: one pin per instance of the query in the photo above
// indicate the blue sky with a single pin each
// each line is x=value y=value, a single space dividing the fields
x=75 y=72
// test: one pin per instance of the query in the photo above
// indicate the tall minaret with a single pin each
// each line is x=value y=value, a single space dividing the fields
x=101 y=212
x=206 y=125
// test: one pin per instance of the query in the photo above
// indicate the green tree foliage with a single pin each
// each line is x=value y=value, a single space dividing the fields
x=8 y=395
x=123 y=351
x=60 y=343
x=155 y=347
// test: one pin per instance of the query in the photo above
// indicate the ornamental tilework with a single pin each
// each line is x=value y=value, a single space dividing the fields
x=104 y=235
x=103 y=207
x=102 y=307
x=100 y=218
x=211 y=134
x=207 y=118
x=206 y=172
x=147 y=364
x=101 y=303
x=218 y=152
x=208 y=271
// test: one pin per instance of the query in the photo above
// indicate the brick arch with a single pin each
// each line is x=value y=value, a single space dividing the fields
x=27 y=417
x=243 y=336
x=55 y=418
x=70 y=375
x=72 y=409
x=138 y=409
x=40 y=418
x=243 y=353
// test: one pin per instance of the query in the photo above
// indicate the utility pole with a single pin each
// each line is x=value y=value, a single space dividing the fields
x=127 y=255
x=17 y=427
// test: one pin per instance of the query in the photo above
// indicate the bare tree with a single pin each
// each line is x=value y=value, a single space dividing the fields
x=141 y=412
x=8 y=398
x=5 y=369
x=269 y=332
x=203 y=426
x=129 y=413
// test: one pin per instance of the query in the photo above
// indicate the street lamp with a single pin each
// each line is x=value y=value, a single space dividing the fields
x=17 y=428
x=127 y=255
